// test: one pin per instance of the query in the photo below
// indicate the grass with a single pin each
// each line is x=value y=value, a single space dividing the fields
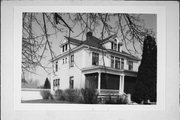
x=44 y=101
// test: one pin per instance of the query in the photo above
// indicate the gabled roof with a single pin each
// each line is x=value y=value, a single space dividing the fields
x=75 y=41
x=97 y=43
x=92 y=41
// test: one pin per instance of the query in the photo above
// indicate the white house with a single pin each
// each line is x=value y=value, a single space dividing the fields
x=95 y=63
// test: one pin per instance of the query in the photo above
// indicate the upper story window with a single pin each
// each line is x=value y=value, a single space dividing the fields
x=65 y=47
x=71 y=82
x=56 y=66
x=113 y=45
x=119 y=47
x=117 y=62
x=122 y=63
x=112 y=61
x=72 y=61
x=64 y=60
x=130 y=65
x=95 y=58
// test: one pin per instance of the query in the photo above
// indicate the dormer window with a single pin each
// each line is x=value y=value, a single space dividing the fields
x=65 y=47
x=113 y=45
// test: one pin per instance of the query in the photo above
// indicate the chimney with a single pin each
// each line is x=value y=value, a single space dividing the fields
x=88 y=35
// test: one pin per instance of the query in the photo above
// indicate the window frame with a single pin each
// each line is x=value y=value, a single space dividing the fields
x=112 y=61
x=117 y=62
x=122 y=63
x=130 y=65
x=71 y=82
x=56 y=66
x=95 y=58
x=72 y=60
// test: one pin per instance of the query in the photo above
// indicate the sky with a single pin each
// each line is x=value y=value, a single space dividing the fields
x=150 y=21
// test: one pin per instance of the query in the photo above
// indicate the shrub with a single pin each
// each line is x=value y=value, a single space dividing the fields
x=46 y=94
x=89 y=96
x=59 y=95
x=110 y=100
x=122 y=99
x=73 y=95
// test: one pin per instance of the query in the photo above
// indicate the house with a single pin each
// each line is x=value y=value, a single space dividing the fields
x=95 y=63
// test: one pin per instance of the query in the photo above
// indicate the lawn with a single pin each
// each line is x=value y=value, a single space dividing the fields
x=43 y=101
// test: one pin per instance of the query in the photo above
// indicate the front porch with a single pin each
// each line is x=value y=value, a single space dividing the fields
x=108 y=81
x=105 y=83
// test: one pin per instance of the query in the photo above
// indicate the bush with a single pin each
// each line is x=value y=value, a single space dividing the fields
x=59 y=95
x=122 y=99
x=110 y=100
x=73 y=95
x=89 y=96
x=46 y=94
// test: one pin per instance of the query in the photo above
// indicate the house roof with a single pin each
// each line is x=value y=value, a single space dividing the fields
x=93 y=41
x=130 y=55
x=97 y=43
x=90 y=41
x=75 y=41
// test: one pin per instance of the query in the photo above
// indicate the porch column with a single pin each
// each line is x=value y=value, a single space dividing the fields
x=121 y=84
x=99 y=81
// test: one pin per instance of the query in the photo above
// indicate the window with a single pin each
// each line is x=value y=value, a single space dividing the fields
x=66 y=60
x=112 y=61
x=56 y=82
x=56 y=66
x=64 y=47
x=72 y=61
x=95 y=58
x=117 y=63
x=119 y=47
x=130 y=65
x=63 y=60
x=114 y=45
x=122 y=63
x=71 y=82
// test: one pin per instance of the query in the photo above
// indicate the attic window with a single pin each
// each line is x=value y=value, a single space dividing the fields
x=64 y=47
x=113 y=45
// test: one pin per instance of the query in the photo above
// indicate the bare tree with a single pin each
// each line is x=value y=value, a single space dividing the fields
x=38 y=27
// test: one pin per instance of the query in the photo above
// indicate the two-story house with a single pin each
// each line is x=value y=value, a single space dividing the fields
x=95 y=63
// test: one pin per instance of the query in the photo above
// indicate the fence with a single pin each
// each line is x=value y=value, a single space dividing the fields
x=31 y=93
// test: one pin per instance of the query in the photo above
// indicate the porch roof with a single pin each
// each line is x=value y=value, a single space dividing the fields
x=102 y=69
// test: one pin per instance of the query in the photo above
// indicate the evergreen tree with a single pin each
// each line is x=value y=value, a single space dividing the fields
x=47 y=84
x=147 y=74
